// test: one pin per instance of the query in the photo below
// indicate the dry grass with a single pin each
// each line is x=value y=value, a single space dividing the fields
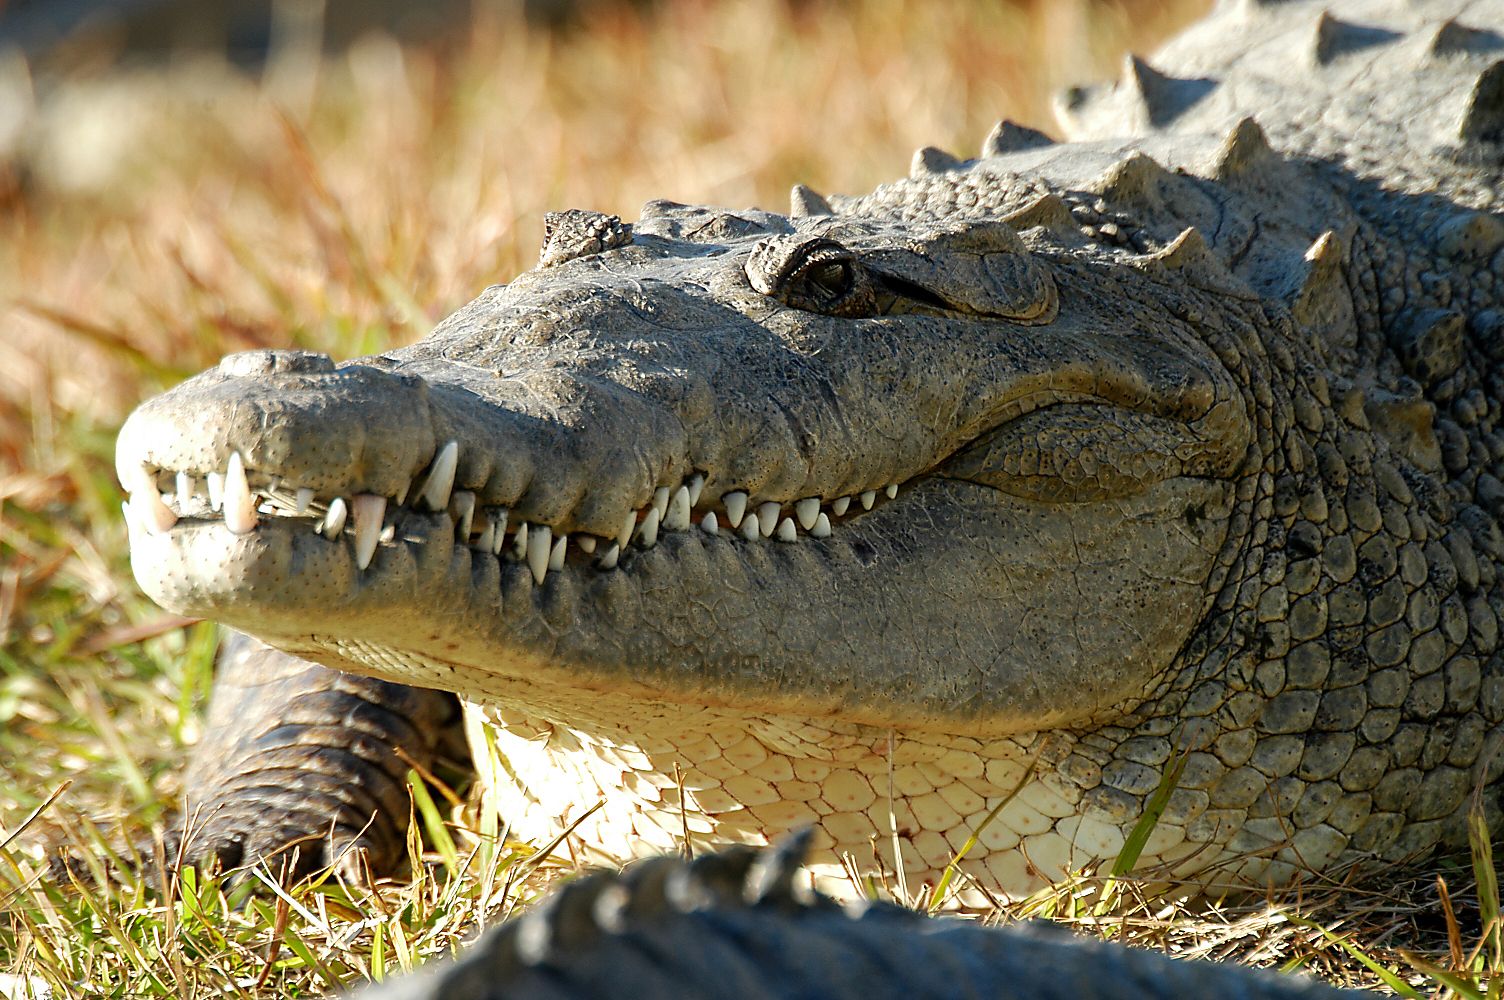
x=152 y=220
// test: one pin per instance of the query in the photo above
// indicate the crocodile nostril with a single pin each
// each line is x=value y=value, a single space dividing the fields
x=247 y=363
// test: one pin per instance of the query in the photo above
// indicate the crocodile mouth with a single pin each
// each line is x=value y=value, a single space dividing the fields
x=241 y=499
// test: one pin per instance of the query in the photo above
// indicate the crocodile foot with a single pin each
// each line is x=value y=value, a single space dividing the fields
x=303 y=767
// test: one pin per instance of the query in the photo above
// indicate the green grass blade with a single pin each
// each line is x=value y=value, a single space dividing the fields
x=1133 y=845
x=433 y=821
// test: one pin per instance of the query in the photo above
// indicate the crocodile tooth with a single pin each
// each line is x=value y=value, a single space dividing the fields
x=499 y=517
x=519 y=541
x=462 y=506
x=304 y=498
x=660 y=501
x=440 y=481
x=154 y=513
x=696 y=487
x=215 y=482
x=151 y=513
x=806 y=511
x=839 y=506
x=586 y=544
x=240 y=506
x=821 y=528
x=647 y=532
x=487 y=537
x=786 y=532
x=401 y=497
x=556 y=554
x=768 y=513
x=676 y=518
x=708 y=524
x=368 y=509
x=628 y=525
x=184 y=483
x=868 y=498
x=388 y=534
x=891 y=490
x=736 y=507
x=334 y=519
x=539 y=540
x=750 y=529
x=608 y=560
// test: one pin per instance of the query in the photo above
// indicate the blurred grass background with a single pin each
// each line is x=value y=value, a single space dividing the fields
x=341 y=189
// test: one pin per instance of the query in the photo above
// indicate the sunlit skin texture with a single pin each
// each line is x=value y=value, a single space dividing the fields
x=1192 y=446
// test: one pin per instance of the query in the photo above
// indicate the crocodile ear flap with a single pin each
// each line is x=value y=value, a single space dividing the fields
x=979 y=267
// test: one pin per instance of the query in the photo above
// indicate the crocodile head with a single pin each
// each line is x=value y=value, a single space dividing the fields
x=934 y=475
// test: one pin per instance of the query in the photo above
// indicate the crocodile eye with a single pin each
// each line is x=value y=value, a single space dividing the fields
x=813 y=274
x=831 y=278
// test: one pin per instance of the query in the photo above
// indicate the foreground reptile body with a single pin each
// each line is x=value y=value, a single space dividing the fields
x=1039 y=471
x=740 y=924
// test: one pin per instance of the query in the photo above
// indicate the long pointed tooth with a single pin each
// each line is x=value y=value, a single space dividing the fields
x=556 y=554
x=751 y=531
x=768 y=514
x=440 y=481
x=154 y=514
x=891 y=490
x=586 y=543
x=609 y=559
x=184 y=483
x=647 y=531
x=696 y=487
x=676 y=518
x=628 y=525
x=151 y=513
x=303 y=499
x=368 y=509
x=806 y=511
x=334 y=520
x=708 y=524
x=868 y=499
x=401 y=497
x=519 y=541
x=839 y=506
x=216 y=484
x=736 y=507
x=499 y=517
x=660 y=501
x=821 y=528
x=786 y=532
x=240 y=506
x=462 y=507
x=539 y=538
x=487 y=537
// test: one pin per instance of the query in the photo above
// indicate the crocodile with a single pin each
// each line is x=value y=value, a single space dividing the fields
x=1156 y=470
x=742 y=923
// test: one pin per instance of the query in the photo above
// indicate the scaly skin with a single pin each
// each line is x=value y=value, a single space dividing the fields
x=1194 y=453
x=298 y=756
x=737 y=925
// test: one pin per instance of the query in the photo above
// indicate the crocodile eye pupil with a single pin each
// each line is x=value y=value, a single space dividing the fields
x=833 y=278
